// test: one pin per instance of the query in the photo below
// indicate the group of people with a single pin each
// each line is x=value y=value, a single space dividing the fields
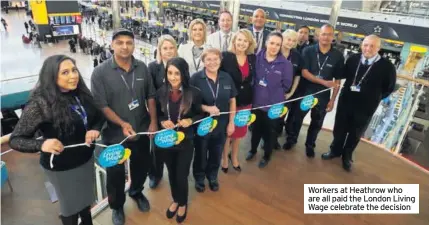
x=222 y=72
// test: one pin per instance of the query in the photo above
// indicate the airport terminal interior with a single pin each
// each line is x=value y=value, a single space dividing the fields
x=394 y=148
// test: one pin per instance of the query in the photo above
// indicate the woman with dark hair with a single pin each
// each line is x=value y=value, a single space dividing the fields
x=61 y=108
x=178 y=106
x=274 y=76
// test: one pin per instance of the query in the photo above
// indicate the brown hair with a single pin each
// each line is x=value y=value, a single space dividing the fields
x=211 y=51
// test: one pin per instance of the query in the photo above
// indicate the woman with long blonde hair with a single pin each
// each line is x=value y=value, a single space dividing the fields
x=240 y=63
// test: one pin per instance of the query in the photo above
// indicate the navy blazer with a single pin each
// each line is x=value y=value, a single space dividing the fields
x=264 y=37
x=229 y=65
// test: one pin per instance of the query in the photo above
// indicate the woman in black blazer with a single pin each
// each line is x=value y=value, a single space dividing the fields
x=239 y=62
x=178 y=106
x=166 y=49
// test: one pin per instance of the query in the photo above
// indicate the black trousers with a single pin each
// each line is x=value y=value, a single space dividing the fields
x=208 y=154
x=264 y=128
x=350 y=125
x=85 y=217
x=139 y=166
x=157 y=165
x=178 y=162
x=292 y=106
x=318 y=113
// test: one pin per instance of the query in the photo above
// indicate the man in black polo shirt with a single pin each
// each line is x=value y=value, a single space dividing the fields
x=303 y=33
x=369 y=79
x=122 y=88
x=322 y=64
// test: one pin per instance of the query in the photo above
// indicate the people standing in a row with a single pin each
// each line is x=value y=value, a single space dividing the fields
x=323 y=68
x=218 y=94
x=258 y=29
x=166 y=50
x=290 y=40
x=62 y=108
x=123 y=89
x=240 y=63
x=222 y=39
x=178 y=106
x=274 y=77
x=193 y=49
x=369 y=79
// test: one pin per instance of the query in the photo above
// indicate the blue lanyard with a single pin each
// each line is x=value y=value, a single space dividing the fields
x=211 y=89
x=83 y=116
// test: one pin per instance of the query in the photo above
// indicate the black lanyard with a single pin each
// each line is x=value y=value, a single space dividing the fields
x=83 y=116
x=366 y=72
x=131 y=90
x=211 y=89
x=323 y=65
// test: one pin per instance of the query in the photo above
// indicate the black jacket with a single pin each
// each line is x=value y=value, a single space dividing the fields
x=230 y=65
x=195 y=113
x=157 y=72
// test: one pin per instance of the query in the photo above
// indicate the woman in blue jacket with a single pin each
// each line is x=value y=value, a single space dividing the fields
x=274 y=77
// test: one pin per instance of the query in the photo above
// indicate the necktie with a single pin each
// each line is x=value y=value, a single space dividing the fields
x=366 y=62
x=257 y=39
x=225 y=43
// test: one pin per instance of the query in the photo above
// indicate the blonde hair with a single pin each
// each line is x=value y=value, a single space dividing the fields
x=161 y=40
x=290 y=33
x=252 y=44
x=211 y=51
x=195 y=22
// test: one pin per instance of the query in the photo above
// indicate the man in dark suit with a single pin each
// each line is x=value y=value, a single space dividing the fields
x=258 y=29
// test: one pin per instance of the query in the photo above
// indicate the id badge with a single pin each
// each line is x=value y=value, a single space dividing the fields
x=355 y=88
x=263 y=83
x=134 y=104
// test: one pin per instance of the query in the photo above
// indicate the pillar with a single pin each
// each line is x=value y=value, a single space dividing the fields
x=233 y=6
x=335 y=12
x=161 y=16
x=116 y=14
x=223 y=5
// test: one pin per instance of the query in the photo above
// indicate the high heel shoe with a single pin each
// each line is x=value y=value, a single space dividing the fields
x=180 y=219
x=238 y=168
x=171 y=214
x=225 y=170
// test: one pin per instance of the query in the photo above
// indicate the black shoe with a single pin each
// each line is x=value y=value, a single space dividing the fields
x=180 y=219
x=329 y=155
x=263 y=163
x=288 y=146
x=225 y=170
x=309 y=152
x=154 y=182
x=277 y=146
x=171 y=214
x=142 y=203
x=238 y=168
x=250 y=156
x=347 y=164
x=200 y=187
x=214 y=185
x=118 y=216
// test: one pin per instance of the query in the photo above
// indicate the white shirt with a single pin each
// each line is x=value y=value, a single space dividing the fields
x=217 y=39
x=371 y=60
x=261 y=38
x=185 y=51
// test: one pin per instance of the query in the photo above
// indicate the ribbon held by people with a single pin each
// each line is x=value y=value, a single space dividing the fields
x=118 y=154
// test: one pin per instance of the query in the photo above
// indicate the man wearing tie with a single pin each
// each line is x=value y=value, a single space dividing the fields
x=369 y=79
x=258 y=31
x=222 y=38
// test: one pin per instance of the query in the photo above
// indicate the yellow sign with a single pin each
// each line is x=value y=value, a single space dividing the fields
x=64 y=14
x=40 y=13
x=415 y=48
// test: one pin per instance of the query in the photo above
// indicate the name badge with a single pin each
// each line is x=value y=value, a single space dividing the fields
x=263 y=83
x=277 y=72
x=133 y=105
x=355 y=88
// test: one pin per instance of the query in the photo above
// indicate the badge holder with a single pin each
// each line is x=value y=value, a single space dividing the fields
x=355 y=88
x=133 y=105
x=263 y=82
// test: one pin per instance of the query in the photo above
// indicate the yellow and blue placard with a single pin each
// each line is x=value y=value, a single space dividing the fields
x=277 y=111
x=244 y=118
x=113 y=155
x=168 y=138
x=308 y=103
x=206 y=126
